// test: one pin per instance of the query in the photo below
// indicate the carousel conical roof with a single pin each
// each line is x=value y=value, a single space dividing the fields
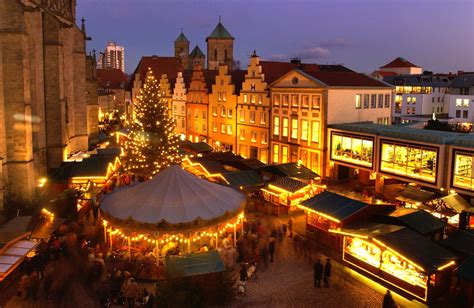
x=174 y=196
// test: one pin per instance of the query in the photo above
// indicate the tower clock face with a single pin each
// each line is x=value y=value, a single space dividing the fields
x=295 y=80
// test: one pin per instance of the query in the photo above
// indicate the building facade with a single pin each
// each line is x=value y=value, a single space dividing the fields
x=223 y=108
x=197 y=104
x=111 y=92
x=418 y=96
x=460 y=99
x=113 y=57
x=253 y=114
x=43 y=105
x=179 y=105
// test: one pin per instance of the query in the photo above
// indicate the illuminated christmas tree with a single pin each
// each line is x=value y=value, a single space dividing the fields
x=151 y=144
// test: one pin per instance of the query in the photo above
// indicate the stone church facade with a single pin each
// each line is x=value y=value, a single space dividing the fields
x=44 y=100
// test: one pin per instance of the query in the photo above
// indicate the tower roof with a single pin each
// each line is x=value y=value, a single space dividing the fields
x=182 y=38
x=220 y=32
x=196 y=53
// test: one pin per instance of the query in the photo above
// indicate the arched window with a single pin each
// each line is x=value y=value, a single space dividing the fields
x=215 y=54
x=225 y=55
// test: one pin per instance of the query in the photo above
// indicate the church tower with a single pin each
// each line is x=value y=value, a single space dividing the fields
x=181 y=49
x=220 y=48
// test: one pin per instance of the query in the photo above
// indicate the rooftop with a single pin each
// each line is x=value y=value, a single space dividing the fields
x=111 y=78
x=182 y=38
x=419 y=80
x=399 y=62
x=463 y=81
x=408 y=133
x=220 y=32
x=159 y=65
x=196 y=53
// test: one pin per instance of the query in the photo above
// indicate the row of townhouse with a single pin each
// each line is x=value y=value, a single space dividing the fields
x=276 y=112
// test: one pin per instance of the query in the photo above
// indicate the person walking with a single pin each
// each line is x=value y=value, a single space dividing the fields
x=290 y=226
x=264 y=254
x=327 y=272
x=271 y=248
x=318 y=273
x=388 y=301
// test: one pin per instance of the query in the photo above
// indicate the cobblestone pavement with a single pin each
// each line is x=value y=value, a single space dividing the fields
x=288 y=282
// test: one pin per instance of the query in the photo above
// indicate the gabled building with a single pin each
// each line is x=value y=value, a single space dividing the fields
x=223 y=108
x=178 y=105
x=170 y=66
x=197 y=57
x=166 y=90
x=197 y=103
x=253 y=114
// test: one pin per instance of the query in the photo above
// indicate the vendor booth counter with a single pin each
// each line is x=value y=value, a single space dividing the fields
x=399 y=257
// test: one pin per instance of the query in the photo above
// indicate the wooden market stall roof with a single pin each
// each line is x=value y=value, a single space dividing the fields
x=288 y=184
x=243 y=179
x=333 y=205
x=466 y=269
x=12 y=255
x=195 y=264
x=366 y=229
x=196 y=147
x=460 y=241
x=293 y=170
x=456 y=203
x=410 y=194
x=417 y=248
x=418 y=220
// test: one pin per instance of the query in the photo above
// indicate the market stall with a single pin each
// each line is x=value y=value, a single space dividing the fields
x=175 y=212
x=328 y=211
x=400 y=257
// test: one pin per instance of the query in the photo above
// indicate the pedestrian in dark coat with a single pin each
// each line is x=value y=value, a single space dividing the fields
x=327 y=272
x=264 y=255
x=388 y=301
x=271 y=248
x=318 y=273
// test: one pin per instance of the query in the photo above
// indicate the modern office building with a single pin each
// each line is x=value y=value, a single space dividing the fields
x=113 y=57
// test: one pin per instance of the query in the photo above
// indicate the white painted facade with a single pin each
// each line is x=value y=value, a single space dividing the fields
x=343 y=107
x=403 y=70
x=461 y=108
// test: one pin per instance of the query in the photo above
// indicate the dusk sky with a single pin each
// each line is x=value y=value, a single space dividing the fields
x=437 y=35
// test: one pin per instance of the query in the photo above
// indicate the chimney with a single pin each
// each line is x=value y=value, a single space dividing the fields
x=296 y=61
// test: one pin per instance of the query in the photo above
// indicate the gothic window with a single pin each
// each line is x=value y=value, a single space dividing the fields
x=215 y=54
x=225 y=55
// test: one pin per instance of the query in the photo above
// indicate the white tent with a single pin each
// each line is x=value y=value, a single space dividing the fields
x=174 y=196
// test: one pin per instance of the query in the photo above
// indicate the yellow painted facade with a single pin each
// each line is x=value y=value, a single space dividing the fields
x=197 y=101
x=222 y=112
x=253 y=114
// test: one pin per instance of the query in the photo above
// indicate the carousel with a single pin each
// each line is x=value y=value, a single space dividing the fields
x=174 y=213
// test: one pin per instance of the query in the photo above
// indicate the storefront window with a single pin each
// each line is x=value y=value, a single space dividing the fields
x=463 y=171
x=352 y=149
x=363 y=250
x=411 y=161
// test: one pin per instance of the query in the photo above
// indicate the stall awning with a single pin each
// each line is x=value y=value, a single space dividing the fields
x=466 y=270
x=288 y=184
x=243 y=179
x=195 y=264
x=416 y=195
x=293 y=170
x=13 y=255
x=46 y=227
x=417 y=248
x=456 y=202
x=334 y=205
x=418 y=220
x=366 y=229
x=461 y=241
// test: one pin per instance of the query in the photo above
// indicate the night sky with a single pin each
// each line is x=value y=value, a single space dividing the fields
x=362 y=34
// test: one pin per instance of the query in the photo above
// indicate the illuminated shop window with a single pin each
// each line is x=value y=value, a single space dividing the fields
x=352 y=149
x=463 y=175
x=411 y=161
